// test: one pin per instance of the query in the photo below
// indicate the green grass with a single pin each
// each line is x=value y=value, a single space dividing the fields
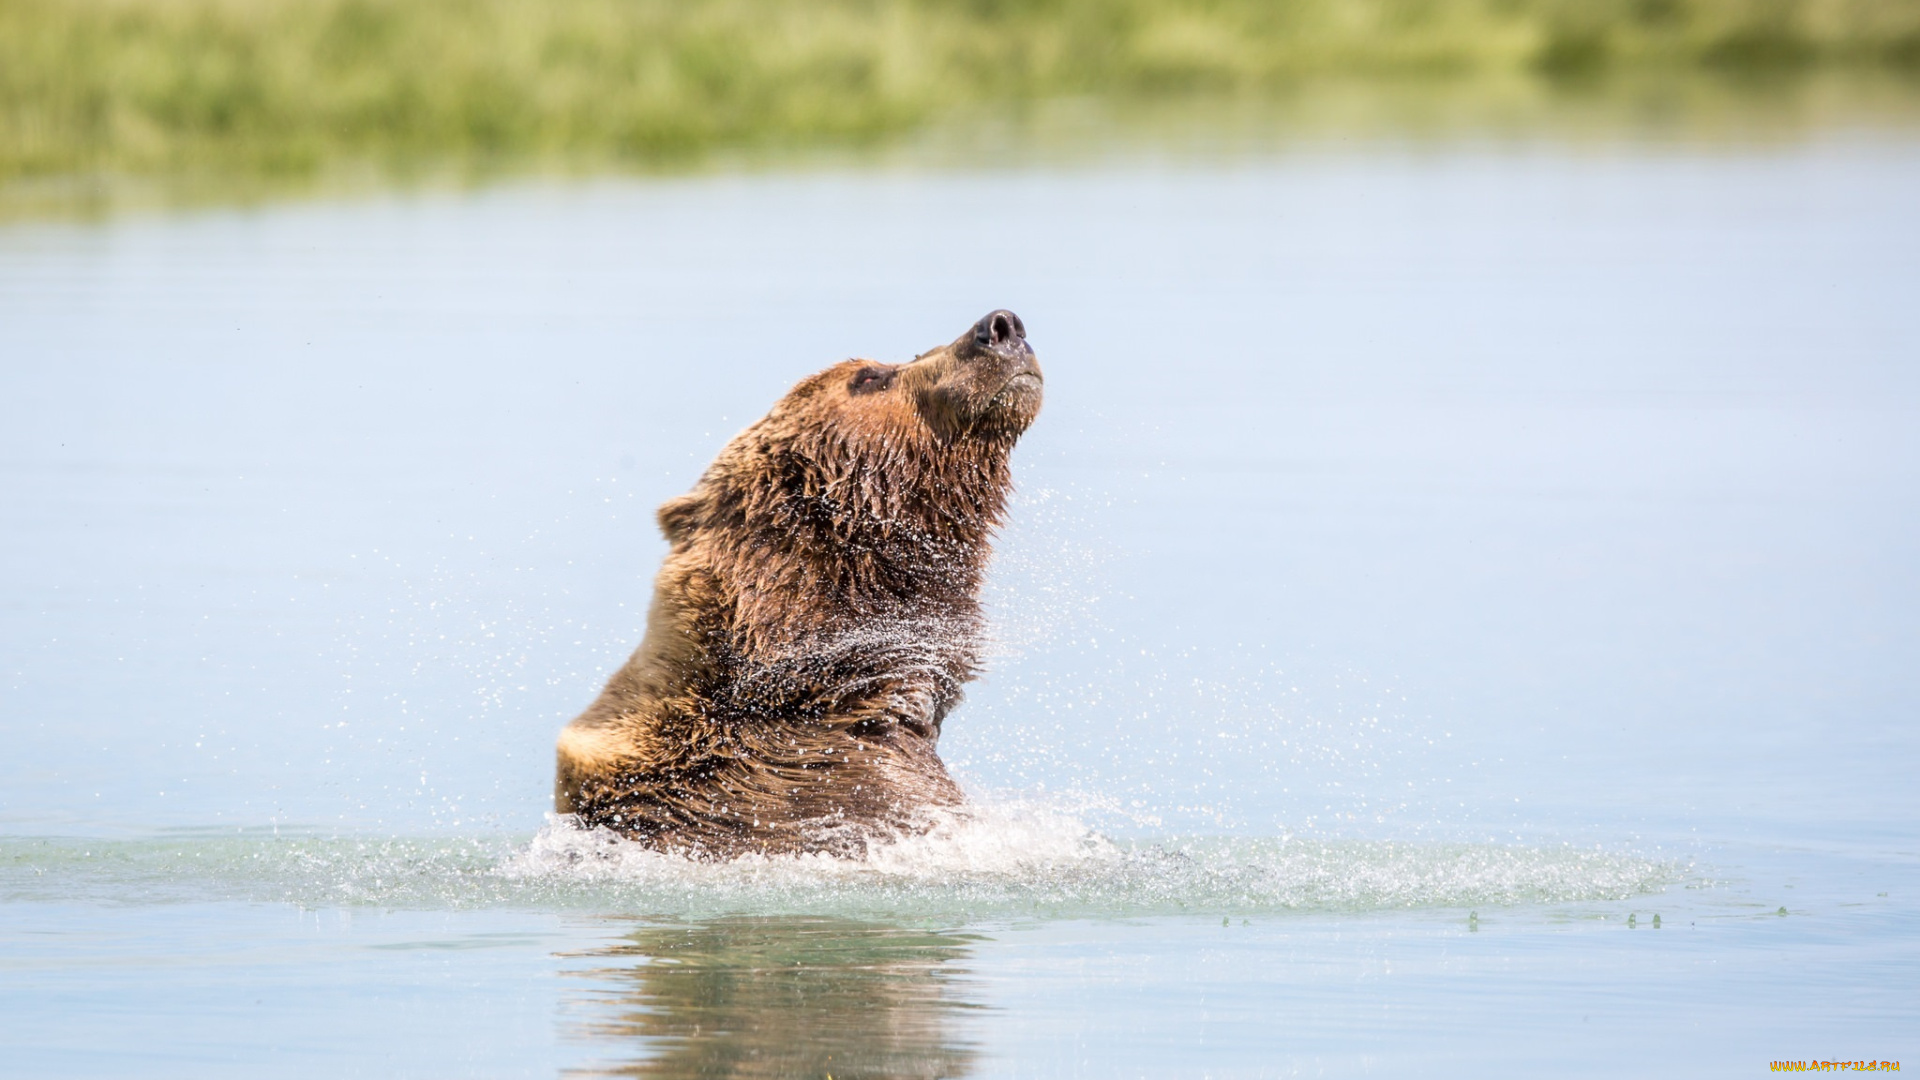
x=293 y=87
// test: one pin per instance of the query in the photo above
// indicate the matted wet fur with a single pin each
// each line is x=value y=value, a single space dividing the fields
x=816 y=616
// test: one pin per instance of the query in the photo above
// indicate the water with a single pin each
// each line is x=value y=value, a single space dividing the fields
x=1431 y=565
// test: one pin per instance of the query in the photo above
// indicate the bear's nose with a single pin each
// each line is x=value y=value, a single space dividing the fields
x=1000 y=331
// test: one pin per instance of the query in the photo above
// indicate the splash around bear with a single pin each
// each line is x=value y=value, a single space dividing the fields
x=816 y=616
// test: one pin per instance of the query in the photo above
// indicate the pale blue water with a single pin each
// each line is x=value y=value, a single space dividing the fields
x=1427 y=562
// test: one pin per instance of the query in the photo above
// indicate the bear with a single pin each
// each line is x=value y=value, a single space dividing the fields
x=816 y=615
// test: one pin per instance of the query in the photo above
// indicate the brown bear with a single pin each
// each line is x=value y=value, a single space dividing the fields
x=816 y=615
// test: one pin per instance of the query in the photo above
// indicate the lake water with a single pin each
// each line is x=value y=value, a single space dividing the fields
x=1461 y=617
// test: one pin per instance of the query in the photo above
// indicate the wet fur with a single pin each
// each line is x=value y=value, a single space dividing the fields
x=816 y=616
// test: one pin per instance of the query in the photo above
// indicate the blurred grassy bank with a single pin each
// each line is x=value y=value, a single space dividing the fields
x=290 y=88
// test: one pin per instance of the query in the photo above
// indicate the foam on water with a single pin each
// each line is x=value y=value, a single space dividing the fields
x=998 y=860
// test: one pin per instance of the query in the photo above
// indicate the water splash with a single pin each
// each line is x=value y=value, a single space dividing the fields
x=1032 y=858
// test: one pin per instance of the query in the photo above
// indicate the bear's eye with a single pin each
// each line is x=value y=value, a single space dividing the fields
x=869 y=380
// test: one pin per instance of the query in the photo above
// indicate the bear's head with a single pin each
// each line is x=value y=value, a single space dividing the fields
x=985 y=386
x=869 y=487
x=866 y=445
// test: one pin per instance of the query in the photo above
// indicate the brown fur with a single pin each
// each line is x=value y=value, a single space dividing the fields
x=817 y=614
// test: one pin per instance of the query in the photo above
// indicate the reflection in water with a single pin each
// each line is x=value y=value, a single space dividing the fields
x=781 y=997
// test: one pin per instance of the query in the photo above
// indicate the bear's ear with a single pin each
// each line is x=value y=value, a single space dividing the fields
x=679 y=517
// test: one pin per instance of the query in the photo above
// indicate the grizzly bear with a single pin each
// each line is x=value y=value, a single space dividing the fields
x=816 y=616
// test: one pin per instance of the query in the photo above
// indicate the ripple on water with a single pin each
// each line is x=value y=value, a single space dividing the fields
x=999 y=860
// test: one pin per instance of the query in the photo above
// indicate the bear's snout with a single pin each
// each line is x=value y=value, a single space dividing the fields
x=999 y=333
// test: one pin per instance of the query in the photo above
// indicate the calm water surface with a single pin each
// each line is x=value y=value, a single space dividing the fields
x=1430 y=568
